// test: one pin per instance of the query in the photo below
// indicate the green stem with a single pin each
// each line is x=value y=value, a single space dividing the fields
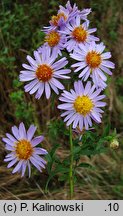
x=71 y=165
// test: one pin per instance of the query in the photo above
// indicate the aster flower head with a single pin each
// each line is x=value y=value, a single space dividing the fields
x=43 y=73
x=23 y=149
x=82 y=105
x=69 y=7
x=78 y=33
x=55 y=40
x=64 y=15
x=93 y=63
x=84 y=13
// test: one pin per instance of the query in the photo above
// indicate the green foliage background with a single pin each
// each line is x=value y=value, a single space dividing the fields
x=20 y=25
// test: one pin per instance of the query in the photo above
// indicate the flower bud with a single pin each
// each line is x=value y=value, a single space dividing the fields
x=114 y=144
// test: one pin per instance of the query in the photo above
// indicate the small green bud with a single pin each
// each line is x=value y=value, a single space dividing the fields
x=114 y=144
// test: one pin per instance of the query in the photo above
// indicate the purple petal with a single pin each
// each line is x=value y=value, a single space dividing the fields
x=101 y=74
x=75 y=123
x=24 y=78
x=8 y=147
x=71 y=119
x=28 y=67
x=37 y=140
x=106 y=70
x=18 y=166
x=39 y=162
x=35 y=164
x=60 y=64
x=57 y=83
x=10 y=158
x=11 y=137
x=22 y=131
x=106 y=55
x=87 y=88
x=40 y=159
x=37 y=57
x=109 y=64
x=29 y=168
x=29 y=86
x=12 y=163
x=47 y=90
x=8 y=141
x=86 y=123
x=63 y=71
x=100 y=104
x=96 y=116
x=54 y=88
x=35 y=88
x=40 y=91
x=65 y=113
x=32 y=61
x=24 y=165
x=81 y=120
x=15 y=131
x=69 y=116
x=40 y=151
x=65 y=106
x=31 y=132
x=84 y=72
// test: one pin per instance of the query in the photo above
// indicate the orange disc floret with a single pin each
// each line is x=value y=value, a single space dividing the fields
x=79 y=34
x=23 y=149
x=55 y=19
x=52 y=38
x=44 y=72
x=93 y=59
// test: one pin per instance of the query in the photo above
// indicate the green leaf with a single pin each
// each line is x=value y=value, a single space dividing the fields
x=106 y=130
x=55 y=147
x=86 y=165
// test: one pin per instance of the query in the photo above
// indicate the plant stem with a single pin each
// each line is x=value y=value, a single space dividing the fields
x=71 y=165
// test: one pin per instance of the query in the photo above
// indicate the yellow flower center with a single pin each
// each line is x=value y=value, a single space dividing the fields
x=83 y=105
x=79 y=34
x=55 y=19
x=44 y=72
x=52 y=38
x=93 y=59
x=23 y=149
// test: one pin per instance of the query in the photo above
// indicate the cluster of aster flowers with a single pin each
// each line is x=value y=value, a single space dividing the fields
x=68 y=30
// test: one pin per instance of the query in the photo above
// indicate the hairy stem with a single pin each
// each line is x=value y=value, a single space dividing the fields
x=71 y=165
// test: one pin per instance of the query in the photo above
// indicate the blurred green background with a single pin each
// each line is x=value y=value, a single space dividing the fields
x=20 y=25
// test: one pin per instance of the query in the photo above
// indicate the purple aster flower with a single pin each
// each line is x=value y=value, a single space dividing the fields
x=74 y=11
x=70 y=8
x=84 y=13
x=23 y=149
x=55 y=40
x=92 y=62
x=64 y=15
x=82 y=105
x=78 y=33
x=43 y=73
